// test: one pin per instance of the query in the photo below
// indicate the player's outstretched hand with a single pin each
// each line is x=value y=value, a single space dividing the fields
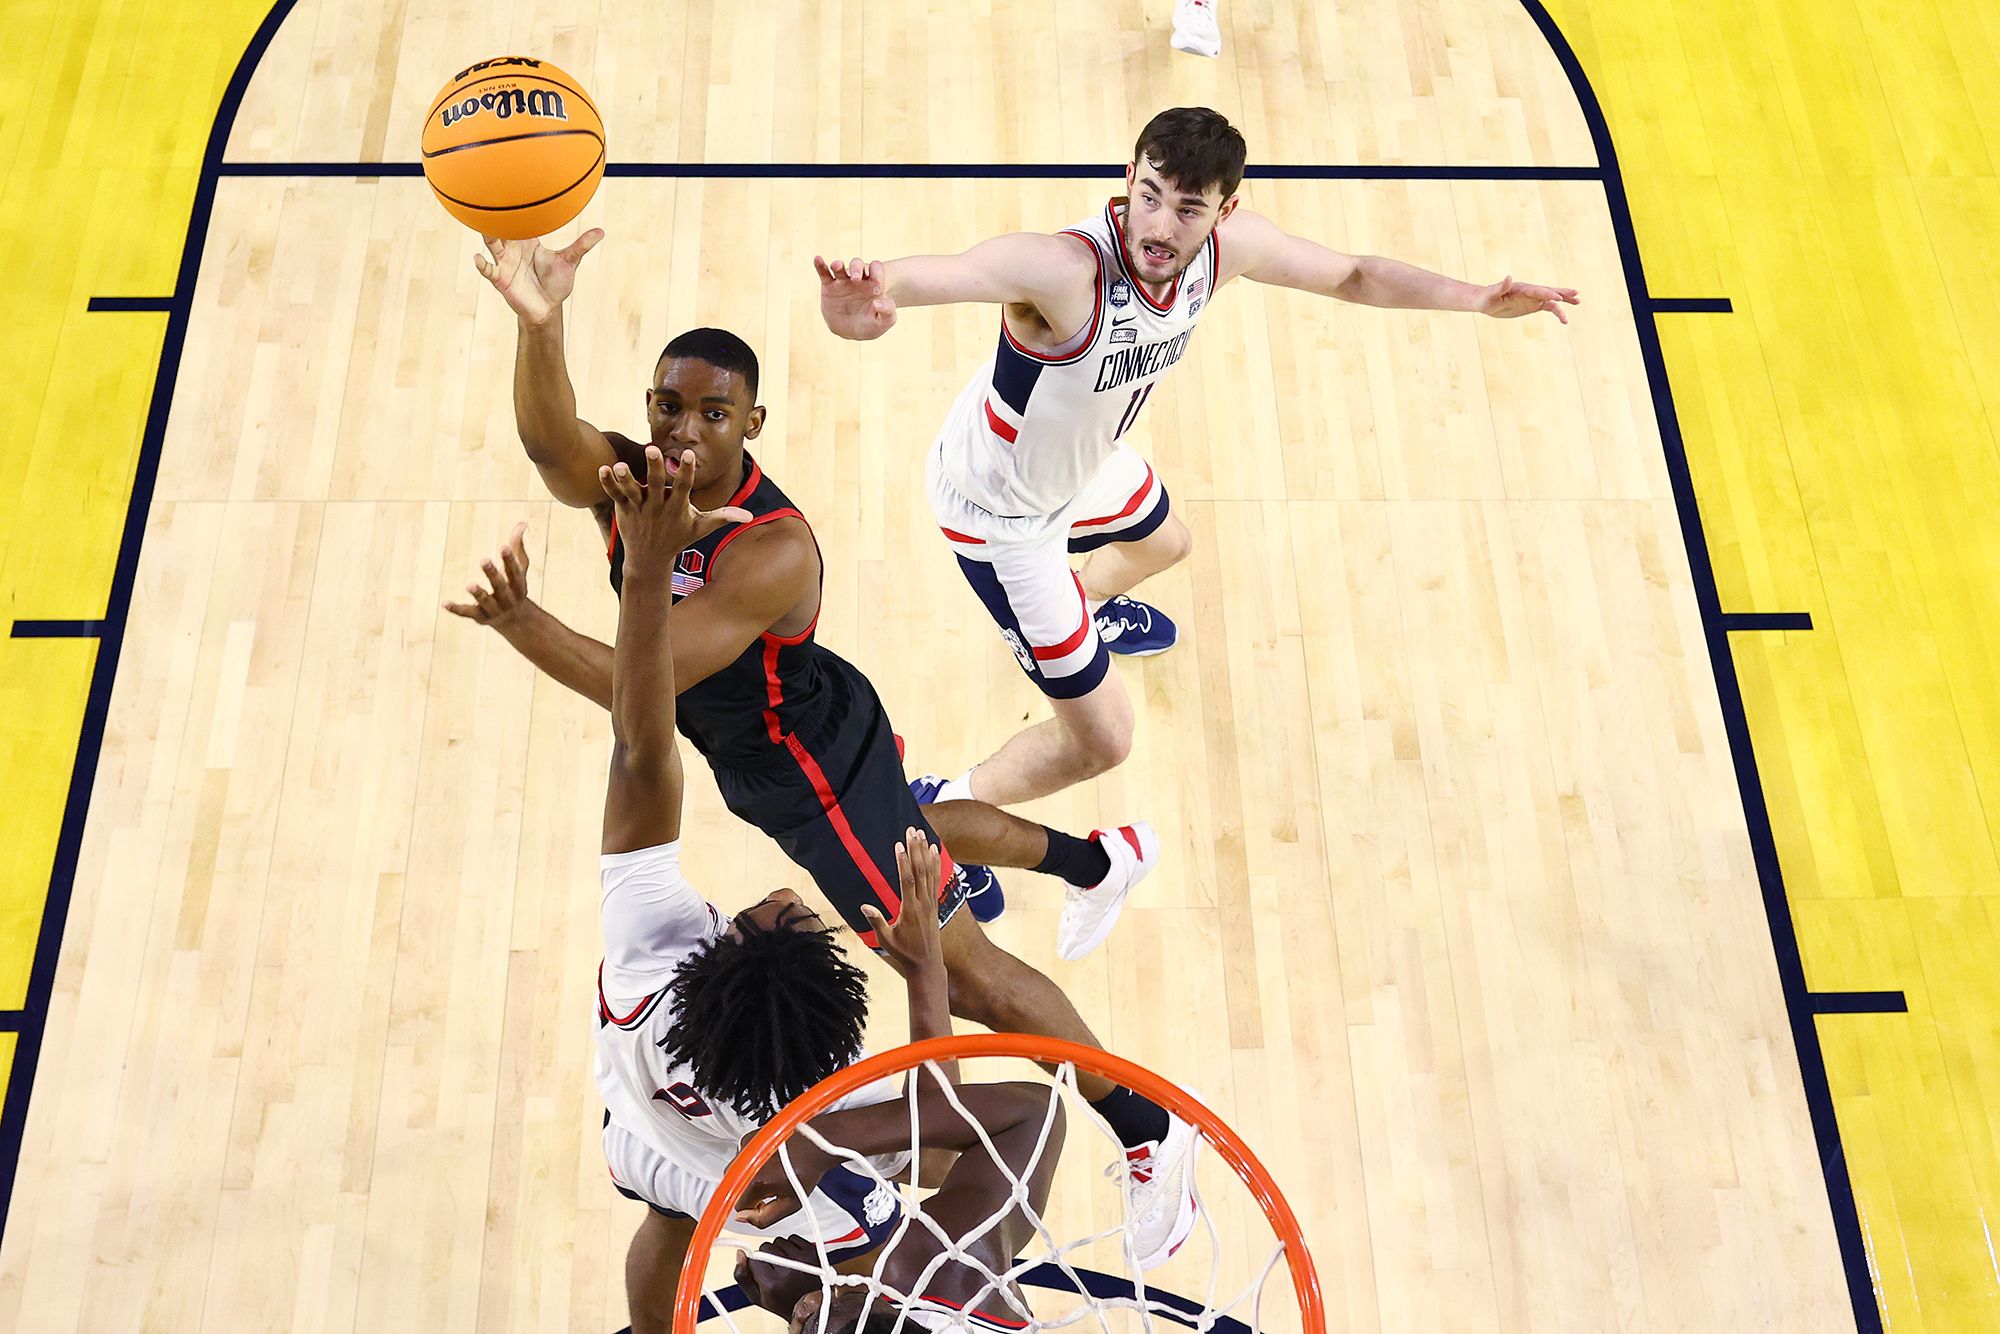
x=657 y=518
x=535 y=281
x=505 y=592
x=854 y=298
x=776 y=1287
x=1509 y=300
x=911 y=942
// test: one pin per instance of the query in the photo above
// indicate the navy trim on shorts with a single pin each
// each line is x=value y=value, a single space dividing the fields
x=987 y=585
x=1146 y=527
x=658 y=1209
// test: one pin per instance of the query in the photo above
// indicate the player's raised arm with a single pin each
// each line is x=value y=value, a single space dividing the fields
x=536 y=281
x=712 y=626
x=912 y=943
x=1254 y=246
x=859 y=299
x=642 y=801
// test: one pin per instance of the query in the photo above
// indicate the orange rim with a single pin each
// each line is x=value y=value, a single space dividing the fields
x=1305 y=1280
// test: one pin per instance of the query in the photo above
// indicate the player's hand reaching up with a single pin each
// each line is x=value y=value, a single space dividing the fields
x=657 y=518
x=1509 y=300
x=911 y=942
x=854 y=299
x=535 y=281
x=507 y=580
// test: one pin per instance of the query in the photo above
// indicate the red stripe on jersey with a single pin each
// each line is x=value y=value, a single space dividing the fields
x=957 y=536
x=999 y=425
x=1089 y=335
x=855 y=1235
x=611 y=543
x=892 y=902
x=774 y=691
x=1145 y=489
x=790 y=640
x=743 y=528
x=749 y=484
x=604 y=1006
x=1068 y=646
x=1004 y=1322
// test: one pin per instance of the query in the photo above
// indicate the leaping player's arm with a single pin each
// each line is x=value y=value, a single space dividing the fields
x=535 y=282
x=565 y=449
x=1256 y=248
x=1054 y=276
x=772 y=569
x=642 y=800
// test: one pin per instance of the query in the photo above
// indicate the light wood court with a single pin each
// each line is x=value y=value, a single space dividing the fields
x=1458 y=925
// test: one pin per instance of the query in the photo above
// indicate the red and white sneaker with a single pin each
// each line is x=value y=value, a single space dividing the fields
x=1089 y=914
x=1161 y=1207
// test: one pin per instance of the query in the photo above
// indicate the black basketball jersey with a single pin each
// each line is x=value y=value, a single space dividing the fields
x=742 y=714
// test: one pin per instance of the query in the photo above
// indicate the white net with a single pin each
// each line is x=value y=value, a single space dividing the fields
x=1080 y=1268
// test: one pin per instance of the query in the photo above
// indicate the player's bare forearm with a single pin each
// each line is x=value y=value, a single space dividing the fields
x=544 y=400
x=567 y=656
x=1393 y=285
x=885 y=1127
x=930 y=1009
x=642 y=673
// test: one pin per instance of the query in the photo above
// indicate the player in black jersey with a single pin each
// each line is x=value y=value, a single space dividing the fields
x=799 y=742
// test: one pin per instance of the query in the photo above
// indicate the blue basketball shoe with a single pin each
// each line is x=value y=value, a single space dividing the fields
x=1136 y=629
x=982 y=888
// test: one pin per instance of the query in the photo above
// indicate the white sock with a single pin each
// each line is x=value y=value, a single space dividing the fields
x=958 y=789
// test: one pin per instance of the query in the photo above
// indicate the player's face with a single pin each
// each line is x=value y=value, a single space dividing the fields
x=698 y=406
x=1166 y=225
x=779 y=908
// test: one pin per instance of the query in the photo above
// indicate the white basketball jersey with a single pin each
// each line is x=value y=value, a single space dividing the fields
x=1031 y=429
x=653 y=919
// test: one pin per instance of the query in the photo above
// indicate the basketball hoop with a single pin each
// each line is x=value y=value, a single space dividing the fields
x=1054 y=1267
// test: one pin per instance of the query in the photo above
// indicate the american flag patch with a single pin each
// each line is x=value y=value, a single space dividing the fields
x=1196 y=288
x=685 y=583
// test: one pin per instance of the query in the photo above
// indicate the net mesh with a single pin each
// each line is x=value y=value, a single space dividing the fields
x=1087 y=1297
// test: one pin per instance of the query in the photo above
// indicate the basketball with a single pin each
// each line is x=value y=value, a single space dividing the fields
x=513 y=147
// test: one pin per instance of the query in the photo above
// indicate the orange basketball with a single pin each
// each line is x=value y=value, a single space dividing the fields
x=513 y=147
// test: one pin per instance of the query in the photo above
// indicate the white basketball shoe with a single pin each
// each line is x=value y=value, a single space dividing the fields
x=1089 y=914
x=1195 y=29
x=1162 y=1207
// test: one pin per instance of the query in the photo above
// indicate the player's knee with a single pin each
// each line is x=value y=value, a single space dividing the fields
x=1102 y=746
x=1176 y=543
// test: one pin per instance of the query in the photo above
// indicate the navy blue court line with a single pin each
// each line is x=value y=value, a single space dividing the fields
x=1859 y=1002
x=1180 y=1310
x=1017 y=171
x=1767 y=620
x=1691 y=305
x=10 y=1021
x=62 y=876
x=109 y=303
x=1770 y=879
x=57 y=630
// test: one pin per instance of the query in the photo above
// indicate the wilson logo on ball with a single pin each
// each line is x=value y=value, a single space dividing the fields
x=508 y=103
